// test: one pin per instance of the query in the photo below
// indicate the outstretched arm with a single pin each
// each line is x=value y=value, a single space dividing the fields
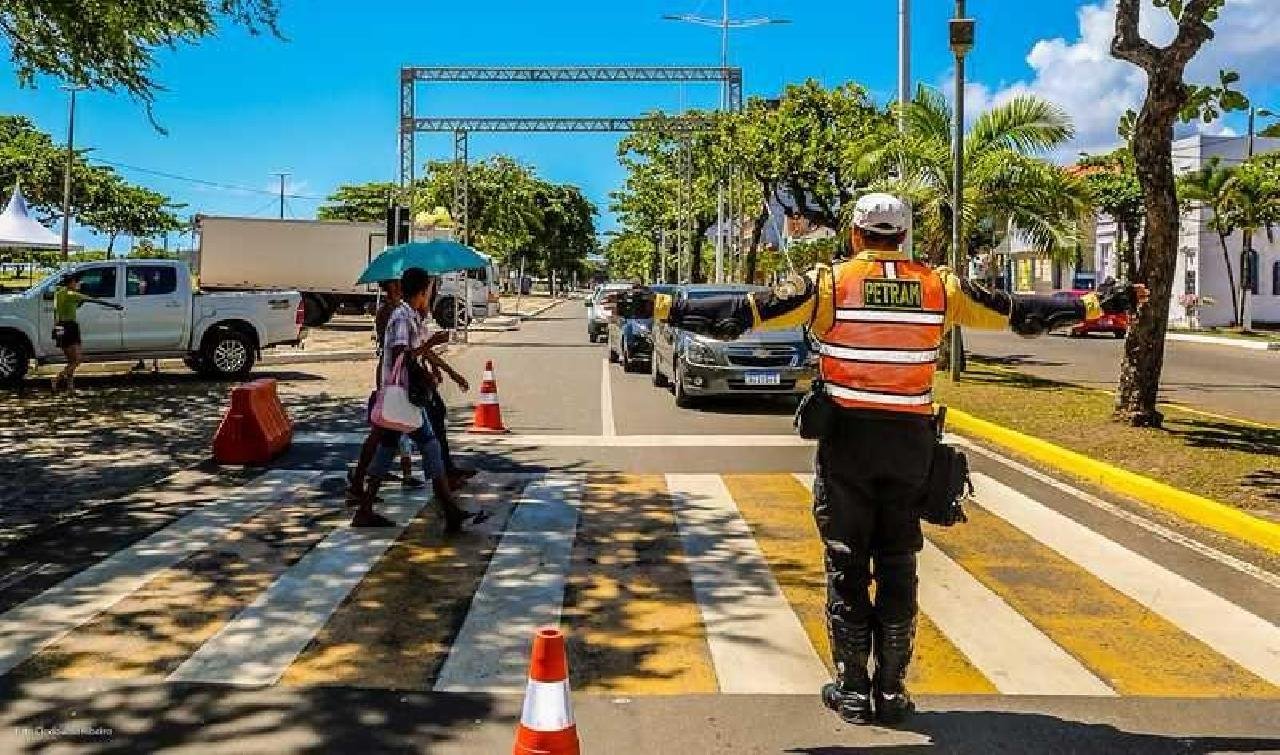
x=437 y=361
x=973 y=305
x=795 y=303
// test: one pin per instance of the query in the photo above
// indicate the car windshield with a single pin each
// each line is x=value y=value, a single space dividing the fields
x=708 y=293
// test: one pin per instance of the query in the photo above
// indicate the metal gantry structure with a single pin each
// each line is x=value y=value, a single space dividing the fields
x=410 y=124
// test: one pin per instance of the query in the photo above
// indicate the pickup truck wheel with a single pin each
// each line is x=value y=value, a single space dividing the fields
x=228 y=354
x=14 y=360
x=315 y=310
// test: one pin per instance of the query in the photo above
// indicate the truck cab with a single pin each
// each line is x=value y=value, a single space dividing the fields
x=482 y=286
x=161 y=315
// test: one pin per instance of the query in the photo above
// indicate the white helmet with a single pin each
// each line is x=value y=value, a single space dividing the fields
x=882 y=213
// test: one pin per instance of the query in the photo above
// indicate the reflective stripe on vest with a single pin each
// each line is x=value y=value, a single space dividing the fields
x=882 y=351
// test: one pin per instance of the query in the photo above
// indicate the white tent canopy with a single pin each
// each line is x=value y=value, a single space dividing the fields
x=19 y=230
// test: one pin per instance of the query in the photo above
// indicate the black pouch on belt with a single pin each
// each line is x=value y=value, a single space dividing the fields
x=817 y=415
x=949 y=487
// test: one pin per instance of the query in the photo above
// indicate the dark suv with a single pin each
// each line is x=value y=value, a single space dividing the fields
x=630 y=329
x=764 y=363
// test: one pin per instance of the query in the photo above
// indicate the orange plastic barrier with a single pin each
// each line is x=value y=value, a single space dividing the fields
x=255 y=429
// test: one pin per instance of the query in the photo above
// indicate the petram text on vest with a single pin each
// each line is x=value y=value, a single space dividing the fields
x=880 y=293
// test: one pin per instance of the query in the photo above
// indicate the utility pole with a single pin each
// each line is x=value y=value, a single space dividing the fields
x=282 y=178
x=724 y=23
x=66 y=171
x=904 y=97
x=962 y=40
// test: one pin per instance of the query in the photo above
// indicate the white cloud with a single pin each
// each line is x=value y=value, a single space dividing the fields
x=1096 y=89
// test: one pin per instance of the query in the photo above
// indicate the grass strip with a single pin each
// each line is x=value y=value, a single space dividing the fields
x=1234 y=462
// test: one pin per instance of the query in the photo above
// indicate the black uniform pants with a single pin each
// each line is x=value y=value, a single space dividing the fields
x=870 y=473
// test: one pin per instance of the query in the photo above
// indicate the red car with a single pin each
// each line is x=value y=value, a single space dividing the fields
x=1116 y=325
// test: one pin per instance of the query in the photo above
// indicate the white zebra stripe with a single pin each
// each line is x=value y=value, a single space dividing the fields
x=889 y=316
x=850 y=394
x=890 y=356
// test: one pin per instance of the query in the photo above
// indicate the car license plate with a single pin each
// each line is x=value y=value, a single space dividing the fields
x=764 y=378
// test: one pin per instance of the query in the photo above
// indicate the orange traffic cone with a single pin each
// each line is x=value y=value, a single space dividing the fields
x=488 y=416
x=546 y=723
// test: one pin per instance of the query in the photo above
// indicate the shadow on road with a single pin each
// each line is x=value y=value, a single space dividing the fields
x=984 y=732
x=154 y=718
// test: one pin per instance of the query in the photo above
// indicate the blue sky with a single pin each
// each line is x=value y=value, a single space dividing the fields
x=323 y=103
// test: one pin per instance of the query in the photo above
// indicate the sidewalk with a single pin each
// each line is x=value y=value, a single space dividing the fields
x=1259 y=344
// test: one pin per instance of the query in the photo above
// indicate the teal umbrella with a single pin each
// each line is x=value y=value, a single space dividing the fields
x=436 y=257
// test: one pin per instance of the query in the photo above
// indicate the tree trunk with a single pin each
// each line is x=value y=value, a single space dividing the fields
x=753 y=251
x=695 y=264
x=1246 y=272
x=111 y=243
x=655 y=259
x=1231 y=280
x=1157 y=264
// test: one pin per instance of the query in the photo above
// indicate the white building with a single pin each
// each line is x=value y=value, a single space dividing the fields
x=1201 y=269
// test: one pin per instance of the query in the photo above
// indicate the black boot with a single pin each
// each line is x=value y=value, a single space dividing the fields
x=850 y=694
x=894 y=641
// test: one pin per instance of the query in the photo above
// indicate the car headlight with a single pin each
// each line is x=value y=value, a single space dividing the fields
x=696 y=352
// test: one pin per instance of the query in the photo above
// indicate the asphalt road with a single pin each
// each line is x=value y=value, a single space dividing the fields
x=1237 y=382
x=677 y=550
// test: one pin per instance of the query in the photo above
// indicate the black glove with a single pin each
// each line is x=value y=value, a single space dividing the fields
x=1118 y=298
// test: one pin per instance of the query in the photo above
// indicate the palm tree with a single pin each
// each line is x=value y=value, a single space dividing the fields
x=1008 y=184
x=1252 y=204
x=1210 y=187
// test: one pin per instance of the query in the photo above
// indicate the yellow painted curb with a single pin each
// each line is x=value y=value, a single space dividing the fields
x=1194 y=508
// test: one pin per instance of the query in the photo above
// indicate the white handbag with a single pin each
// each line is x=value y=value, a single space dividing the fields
x=392 y=409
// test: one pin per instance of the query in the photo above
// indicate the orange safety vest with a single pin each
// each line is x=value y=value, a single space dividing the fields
x=882 y=351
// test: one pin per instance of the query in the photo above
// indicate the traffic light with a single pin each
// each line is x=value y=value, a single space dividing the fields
x=399 y=222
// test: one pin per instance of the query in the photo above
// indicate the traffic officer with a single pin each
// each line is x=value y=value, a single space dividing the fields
x=878 y=321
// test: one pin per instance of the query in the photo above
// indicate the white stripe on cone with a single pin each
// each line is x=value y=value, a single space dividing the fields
x=546 y=706
x=488 y=398
x=487 y=377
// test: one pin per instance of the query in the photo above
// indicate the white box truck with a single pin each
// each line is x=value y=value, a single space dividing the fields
x=322 y=259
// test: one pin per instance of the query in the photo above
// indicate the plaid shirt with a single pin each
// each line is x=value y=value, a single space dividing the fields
x=405 y=328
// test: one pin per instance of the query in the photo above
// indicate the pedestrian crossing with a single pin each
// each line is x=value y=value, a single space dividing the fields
x=665 y=584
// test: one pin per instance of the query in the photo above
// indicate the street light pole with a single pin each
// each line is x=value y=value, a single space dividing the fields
x=962 y=39
x=724 y=23
x=66 y=172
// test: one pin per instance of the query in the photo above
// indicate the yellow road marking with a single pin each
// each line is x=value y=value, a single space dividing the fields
x=779 y=510
x=634 y=625
x=393 y=630
x=1134 y=650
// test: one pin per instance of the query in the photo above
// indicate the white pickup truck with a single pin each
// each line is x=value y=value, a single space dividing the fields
x=161 y=317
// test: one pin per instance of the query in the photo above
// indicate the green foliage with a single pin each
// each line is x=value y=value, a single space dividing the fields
x=100 y=198
x=112 y=45
x=1007 y=183
x=628 y=256
x=1252 y=201
x=356 y=203
x=512 y=212
x=146 y=250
